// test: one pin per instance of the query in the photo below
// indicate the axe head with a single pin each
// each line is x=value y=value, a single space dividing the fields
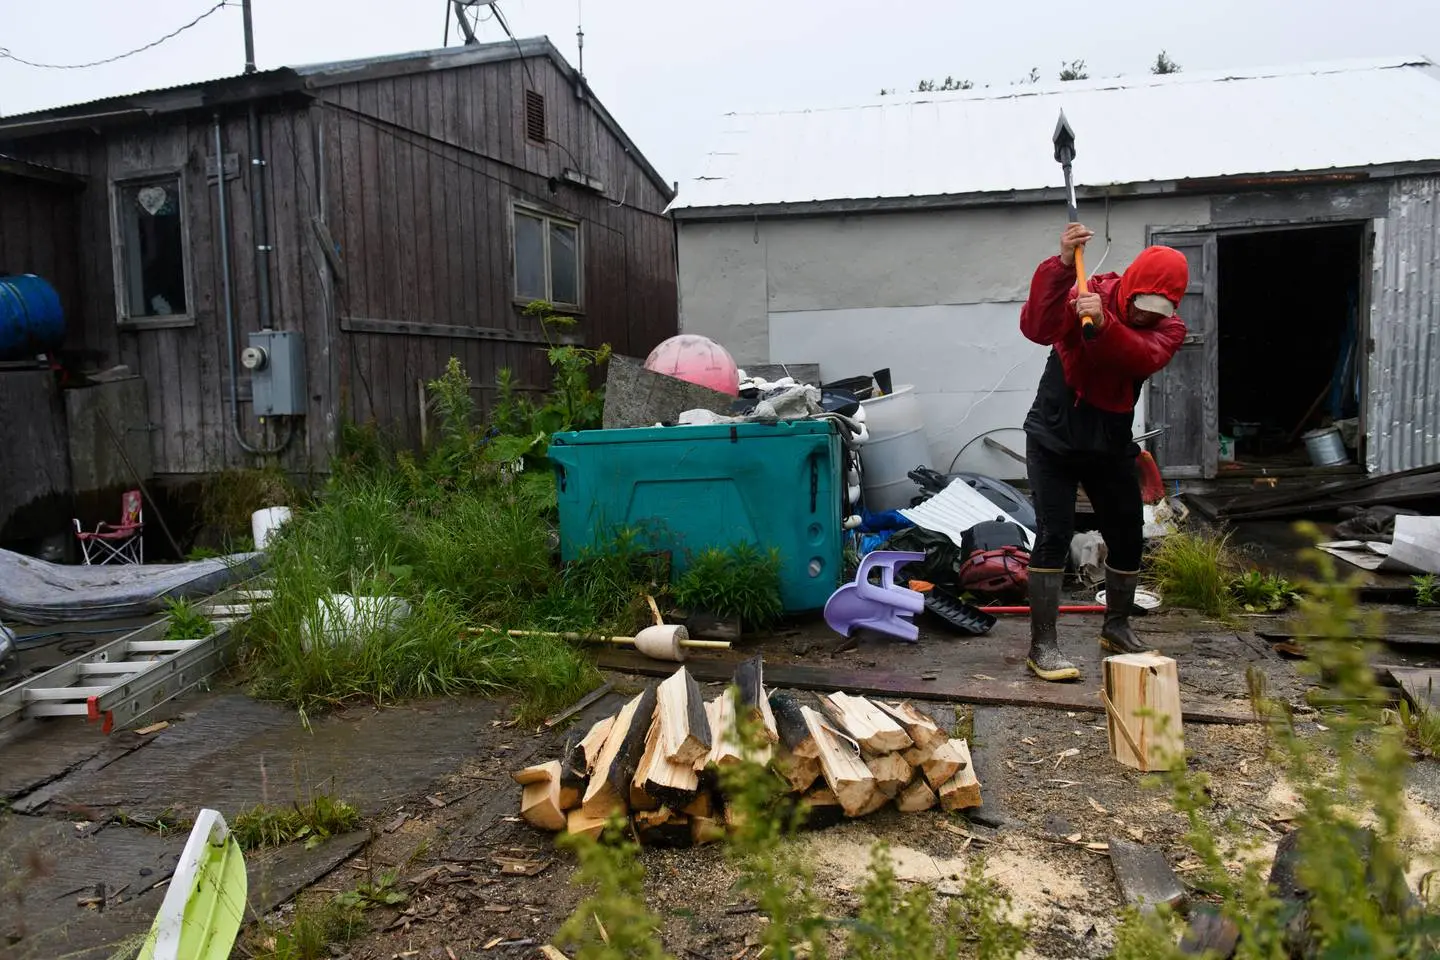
x=1064 y=139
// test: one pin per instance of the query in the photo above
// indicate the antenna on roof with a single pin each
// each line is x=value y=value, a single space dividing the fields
x=580 y=35
x=465 y=25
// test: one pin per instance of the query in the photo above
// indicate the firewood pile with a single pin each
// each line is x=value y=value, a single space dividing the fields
x=657 y=761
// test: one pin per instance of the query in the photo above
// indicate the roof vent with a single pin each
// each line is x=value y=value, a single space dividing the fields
x=535 y=117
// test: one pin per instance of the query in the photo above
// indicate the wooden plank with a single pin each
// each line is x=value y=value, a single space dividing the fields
x=1145 y=878
x=1421 y=686
x=423 y=328
x=580 y=704
x=1020 y=692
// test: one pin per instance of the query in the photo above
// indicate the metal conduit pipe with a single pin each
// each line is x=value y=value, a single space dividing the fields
x=224 y=214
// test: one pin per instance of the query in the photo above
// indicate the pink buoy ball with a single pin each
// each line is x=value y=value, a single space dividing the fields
x=698 y=360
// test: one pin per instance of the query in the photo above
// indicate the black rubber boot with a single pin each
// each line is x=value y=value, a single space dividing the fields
x=1045 y=658
x=1117 y=635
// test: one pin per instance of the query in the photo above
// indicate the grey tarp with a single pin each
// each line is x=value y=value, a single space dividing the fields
x=35 y=591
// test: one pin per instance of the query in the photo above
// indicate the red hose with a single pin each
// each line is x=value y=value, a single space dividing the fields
x=1078 y=608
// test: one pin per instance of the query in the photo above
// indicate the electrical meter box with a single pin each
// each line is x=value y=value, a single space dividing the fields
x=276 y=361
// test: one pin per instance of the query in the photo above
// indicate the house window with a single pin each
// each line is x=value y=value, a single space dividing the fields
x=547 y=258
x=535 y=117
x=152 y=271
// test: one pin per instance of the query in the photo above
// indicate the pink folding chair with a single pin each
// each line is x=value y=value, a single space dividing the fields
x=116 y=542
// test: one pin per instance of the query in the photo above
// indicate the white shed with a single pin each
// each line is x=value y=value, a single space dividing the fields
x=903 y=233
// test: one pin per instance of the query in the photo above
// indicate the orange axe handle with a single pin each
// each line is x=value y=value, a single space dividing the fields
x=1087 y=324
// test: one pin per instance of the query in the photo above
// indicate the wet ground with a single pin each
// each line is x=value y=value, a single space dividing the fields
x=432 y=782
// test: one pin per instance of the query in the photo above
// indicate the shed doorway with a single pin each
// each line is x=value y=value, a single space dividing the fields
x=1289 y=326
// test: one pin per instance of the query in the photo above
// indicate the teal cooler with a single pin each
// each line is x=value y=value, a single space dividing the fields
x=693 y=487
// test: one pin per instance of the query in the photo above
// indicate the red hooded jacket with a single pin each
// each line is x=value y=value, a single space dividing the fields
x=1104 y=371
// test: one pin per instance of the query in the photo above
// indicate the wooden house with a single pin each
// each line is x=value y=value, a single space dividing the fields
x=355 y=223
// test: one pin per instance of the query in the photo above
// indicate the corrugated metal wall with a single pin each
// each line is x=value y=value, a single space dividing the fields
x=1404 y=409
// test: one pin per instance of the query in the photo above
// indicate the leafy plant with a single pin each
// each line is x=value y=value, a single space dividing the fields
x=982 y=915
x=738 y=581
x=1422 y=729
x=612 y=923
x=1194 y=570
x=1427 y=590
x=1260 y=592
x=187 y=622
x=313 y=821
x=382 y=891
x=310 y=934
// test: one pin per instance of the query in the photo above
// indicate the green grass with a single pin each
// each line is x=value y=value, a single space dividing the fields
x=1194 y=570
x=313 y=821
x=310 y=933
x=186 y=621
x=738 y=581
x=1427 y=590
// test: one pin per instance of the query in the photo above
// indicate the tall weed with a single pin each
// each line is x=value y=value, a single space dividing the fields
x=1195 y=570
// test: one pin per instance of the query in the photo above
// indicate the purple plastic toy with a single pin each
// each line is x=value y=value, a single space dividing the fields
x=883 y=607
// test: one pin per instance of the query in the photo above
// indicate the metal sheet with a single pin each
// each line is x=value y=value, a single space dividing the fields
x=979 y=141
x=1404 y=378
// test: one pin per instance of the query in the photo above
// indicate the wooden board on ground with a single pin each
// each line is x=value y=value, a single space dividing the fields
x=1422 y=687
x=868 y=725
x=1144 y=875
x=684 y=727
x=845 y=773
x=1142 y=696
x=1015 y=690
x=961 y=791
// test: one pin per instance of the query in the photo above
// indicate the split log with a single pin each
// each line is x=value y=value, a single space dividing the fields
x=750 y=679
x=1141 y=693
x=945 y=761
x=580 y=823
x=790 y=724
x=663 y=828
x=705 y=830
x=867 y=724
x=609 y=788
x=684 y=728
x=962 y=790
x=640 y=800
x=823 y=808
x=916 y=797
x=845 y=773
x=726 y=747
x=891 y=772
x=923 y=730
x=594 y=741
x=540 y=803
x=672 y=784
x=702 y=806
x=800 y=772
x=573 y=778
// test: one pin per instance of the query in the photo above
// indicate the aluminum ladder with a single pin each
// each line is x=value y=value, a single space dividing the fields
x=127 y=678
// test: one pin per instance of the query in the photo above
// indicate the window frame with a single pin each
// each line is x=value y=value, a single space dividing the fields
x=118 y=185
x=547 y=218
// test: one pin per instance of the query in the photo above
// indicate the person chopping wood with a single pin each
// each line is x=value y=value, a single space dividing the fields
x=1078 y=432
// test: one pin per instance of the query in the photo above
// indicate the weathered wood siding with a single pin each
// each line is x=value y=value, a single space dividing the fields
x=38 y=234
x=420 y=175
x=413 y=177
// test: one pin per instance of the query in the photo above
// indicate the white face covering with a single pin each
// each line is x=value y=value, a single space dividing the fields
x=1154 y=303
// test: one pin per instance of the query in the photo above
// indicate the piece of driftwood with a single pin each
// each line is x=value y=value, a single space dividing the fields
x=961 y=791
x=845 y=773
x=1141 y=693
x=540 y=802
x=684 y=727
x=610 y=782
x=866 y=724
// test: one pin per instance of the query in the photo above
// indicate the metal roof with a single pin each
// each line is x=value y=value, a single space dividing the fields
x=301 y=79
x=1129 y=130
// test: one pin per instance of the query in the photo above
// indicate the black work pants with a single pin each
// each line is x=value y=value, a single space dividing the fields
x=1113 y=486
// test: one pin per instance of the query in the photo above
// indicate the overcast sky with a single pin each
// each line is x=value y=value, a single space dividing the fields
x=668 y=70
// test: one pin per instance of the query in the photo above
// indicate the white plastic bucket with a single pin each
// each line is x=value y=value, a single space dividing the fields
x=896 y=445
x=1326 y=448
x=265 y=522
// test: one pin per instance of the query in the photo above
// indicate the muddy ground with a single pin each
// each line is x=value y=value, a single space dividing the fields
x=432 y=782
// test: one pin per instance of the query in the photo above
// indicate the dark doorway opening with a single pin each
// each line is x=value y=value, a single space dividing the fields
x=1289 y=316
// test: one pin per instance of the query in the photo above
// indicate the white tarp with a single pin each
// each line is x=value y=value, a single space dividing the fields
x=36 y=591
x=956 y=509
x=1416 y=548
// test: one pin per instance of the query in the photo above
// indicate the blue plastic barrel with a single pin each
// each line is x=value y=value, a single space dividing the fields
x=31 y=320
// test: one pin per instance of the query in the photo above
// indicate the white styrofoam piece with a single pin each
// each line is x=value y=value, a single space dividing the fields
x=1416 y=544
x=956 y=509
